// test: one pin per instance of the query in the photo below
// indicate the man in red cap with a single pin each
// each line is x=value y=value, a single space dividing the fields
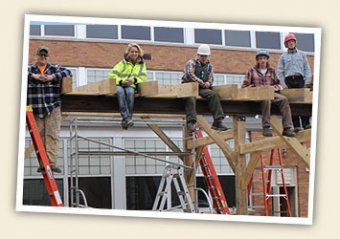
x=43 y=94
x=293 y=69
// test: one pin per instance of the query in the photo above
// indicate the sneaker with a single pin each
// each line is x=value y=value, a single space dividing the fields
x=218 y=125
x=124 y=125
x=267 y=132
x=129 y=123
x=191 y=125
x=55 y=169
x=288 y=132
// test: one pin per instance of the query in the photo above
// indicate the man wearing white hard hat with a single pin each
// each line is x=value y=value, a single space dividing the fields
x=201 y=71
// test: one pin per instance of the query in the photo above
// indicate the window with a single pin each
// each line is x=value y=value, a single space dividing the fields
x=167 y=34
x=59 y=30
x=35 y=30
x=142 y=165
x=235 y=79
x=168 y=78
x=268 y=40
x=208 y=36
x=94 y=165
x=94 y=75
x=136 y=32
x=102 y=31
x=237 y=38
x=305 y=42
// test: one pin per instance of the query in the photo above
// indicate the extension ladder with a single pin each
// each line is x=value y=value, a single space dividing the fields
x=173 y=175
x=50 y=182
x=268 y=192
x=211 y=179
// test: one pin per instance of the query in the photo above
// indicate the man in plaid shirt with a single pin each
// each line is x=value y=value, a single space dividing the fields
x=262 y=74
x=43 y=94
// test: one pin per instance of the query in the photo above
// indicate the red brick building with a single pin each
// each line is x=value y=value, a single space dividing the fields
x=91 y=50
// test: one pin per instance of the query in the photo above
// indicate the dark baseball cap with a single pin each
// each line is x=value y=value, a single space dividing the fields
x=42 y=48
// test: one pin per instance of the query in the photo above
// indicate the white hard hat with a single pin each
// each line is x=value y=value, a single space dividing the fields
x=203 y=49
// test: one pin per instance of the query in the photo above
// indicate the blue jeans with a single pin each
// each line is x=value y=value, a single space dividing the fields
x=126 y=97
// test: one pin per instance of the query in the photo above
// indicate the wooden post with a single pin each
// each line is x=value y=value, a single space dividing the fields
x=189 y=174
x=240 y=167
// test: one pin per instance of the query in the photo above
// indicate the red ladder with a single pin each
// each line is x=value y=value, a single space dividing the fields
x=50 y=183
x=266 y=175
x=213 y=183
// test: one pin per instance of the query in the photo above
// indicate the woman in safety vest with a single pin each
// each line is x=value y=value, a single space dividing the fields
x=128 y=73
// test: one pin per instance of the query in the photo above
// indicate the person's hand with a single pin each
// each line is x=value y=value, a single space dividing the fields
x=128 y=82
x=206 y=85
x=39 y=77
x=49 y=77
x=278 y=88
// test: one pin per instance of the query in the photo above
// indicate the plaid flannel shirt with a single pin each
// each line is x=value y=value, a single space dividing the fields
x=254 y=77
x=45 y=96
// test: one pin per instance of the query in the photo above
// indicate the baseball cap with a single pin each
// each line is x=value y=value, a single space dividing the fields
x=42 y=48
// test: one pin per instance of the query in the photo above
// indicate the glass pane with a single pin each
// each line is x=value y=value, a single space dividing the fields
x=167 y=34
x=59 y=30
x=305 y=42
x=35 y=30
x=102 y=31
x=136 y=32
x=208 y=36
x=270 y=40
x=237 y=38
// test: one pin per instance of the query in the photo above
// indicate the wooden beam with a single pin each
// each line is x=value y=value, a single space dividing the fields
x=225 y=135
x=255 y=93
x=199 y=152
x=178 y=91
x=189 y=175
x=103 y=87
x=240 y=167
x=300 y=95
x=226 y=91
x=292 y=142
x=66 y=85
x=255 y=156
x=149 y=88
x=166 y=140
x=227 y=151
x=231 y=92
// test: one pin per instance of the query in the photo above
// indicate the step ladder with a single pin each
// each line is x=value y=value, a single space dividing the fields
x=173 y=175
x=50 y=182
x=268 y=192
x=211 y=179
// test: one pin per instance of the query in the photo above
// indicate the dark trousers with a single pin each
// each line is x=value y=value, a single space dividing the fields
x=297 y=82
x=283 y=104
x=214 y=105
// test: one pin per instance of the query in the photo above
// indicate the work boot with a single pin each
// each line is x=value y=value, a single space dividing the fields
x=267 y=132
x=298 y=129
x=191 y=125
x=55 y=169
x=308 y=126
x=288 y=132
x=39 y=169
x=218 y=125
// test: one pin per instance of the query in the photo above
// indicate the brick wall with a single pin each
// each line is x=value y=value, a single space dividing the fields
x=106 y=55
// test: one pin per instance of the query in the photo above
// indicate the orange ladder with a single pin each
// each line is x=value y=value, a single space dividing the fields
x=50 y=182
x=211 y=179
x=266 y=175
